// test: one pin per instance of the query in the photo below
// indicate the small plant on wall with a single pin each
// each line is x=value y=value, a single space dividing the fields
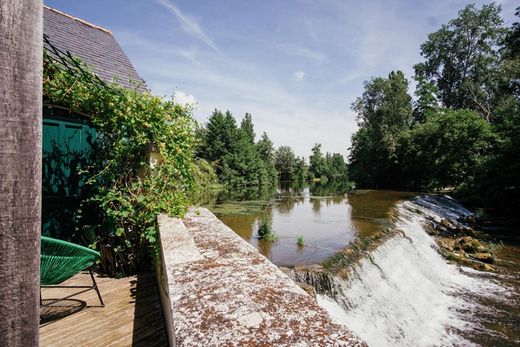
x=123 y=193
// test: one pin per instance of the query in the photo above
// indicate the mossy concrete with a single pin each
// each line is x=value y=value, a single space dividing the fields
x=223 y=292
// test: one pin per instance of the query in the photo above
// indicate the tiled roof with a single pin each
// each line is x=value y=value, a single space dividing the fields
x=96 y=46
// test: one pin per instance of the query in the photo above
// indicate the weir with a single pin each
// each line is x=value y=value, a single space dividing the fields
x=218 y=290
x=405 y=293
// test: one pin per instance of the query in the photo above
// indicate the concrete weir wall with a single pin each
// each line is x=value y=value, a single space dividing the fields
x=218 y=290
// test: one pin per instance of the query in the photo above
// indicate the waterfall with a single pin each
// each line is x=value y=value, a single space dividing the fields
x=405 y=293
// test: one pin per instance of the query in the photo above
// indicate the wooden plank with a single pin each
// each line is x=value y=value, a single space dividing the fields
x=132 y=315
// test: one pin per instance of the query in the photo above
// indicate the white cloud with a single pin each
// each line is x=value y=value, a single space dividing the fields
x=184 y=99
x=299 y=76
x=190 y=25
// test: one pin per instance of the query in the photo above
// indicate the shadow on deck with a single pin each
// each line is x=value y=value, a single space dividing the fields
x=132 y=315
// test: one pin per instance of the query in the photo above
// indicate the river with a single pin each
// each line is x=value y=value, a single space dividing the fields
x=402 y=292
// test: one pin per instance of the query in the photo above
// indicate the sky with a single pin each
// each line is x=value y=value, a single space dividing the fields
x=296 y=65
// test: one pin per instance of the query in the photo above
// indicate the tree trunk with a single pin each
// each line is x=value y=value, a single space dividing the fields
x=21 y=45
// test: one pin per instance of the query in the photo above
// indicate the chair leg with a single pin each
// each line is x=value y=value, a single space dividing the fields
x=96 y=287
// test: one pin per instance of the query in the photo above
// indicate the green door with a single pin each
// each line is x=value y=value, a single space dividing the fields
x=66 y=148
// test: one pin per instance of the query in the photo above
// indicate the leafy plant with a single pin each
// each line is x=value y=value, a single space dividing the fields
x=123 y=194
x=300 y=241
x=265 y=231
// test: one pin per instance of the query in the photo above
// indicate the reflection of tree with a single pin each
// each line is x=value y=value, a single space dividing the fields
x=266 y=247
x=329 y=188
x=219 y=196
x=369 y=208
x=316 y=205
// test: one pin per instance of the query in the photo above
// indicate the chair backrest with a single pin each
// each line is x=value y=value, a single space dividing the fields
x=60 y=260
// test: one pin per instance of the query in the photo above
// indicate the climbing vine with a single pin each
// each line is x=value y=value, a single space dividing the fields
x=123 y=194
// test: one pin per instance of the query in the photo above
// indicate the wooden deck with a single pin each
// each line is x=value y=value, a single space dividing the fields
x=132 y=315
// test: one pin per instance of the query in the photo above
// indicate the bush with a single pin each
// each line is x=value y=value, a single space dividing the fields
x=123 y=194
x=265 y=231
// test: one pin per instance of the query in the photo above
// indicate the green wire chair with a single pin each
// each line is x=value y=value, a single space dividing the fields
x=60 y=260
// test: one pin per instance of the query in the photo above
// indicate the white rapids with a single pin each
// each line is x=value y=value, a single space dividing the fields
x=405 y=293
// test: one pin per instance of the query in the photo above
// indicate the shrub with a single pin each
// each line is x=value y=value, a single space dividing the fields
x=265 y=231
x=123 y=194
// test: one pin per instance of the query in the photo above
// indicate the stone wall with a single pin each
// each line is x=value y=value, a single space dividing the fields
x=217 y=290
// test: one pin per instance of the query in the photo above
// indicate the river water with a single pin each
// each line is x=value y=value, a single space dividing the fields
x=403 y=293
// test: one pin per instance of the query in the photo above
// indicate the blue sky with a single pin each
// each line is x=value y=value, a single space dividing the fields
x=295 y=65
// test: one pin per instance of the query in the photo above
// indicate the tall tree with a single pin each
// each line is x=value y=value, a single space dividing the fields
x=21 y=48
x=265 y=150
x=219 y=138
x=462 y=59
x=317 y=162
x=285 y=163
x=426 y=103
x=383 y=112
x=248 y=128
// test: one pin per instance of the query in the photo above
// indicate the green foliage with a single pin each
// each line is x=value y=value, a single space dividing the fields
x=448 y=149
x=265 y=231
x=265 y=149
x=317 y=163
x=238 y=161
x=469 y=138
x=123 y=193
x=285 y=161
x=462 y=59
x=300 y=241
x=426 y=102
x=383 y=112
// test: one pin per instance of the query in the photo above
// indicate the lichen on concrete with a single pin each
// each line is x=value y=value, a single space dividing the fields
x=225 y=293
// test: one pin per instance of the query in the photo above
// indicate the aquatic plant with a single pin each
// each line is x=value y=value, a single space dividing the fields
x=300 y=241
x=265 y=231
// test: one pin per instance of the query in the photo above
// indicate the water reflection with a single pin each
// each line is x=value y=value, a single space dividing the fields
x=326 y=217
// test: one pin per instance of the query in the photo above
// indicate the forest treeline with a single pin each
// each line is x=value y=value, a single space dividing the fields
x=463 y=129
x=230 y=154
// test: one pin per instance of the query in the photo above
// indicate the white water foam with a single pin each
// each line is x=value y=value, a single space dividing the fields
x=406 y=294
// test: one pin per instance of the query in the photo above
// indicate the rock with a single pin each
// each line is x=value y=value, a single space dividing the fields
x=486 y=267
x=446 y=223
x=447 y=244
x=482 y=249
x=308 y=288
x=484 y=257
x=430 y=229
x=470 y=219
x=465 y=230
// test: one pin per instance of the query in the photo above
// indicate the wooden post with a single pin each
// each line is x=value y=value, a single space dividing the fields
x=21 y=54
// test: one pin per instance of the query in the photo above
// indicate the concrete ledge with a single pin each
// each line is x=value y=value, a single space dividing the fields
x=222 y=291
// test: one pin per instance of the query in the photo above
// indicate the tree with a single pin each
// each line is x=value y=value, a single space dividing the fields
x=233 y=152
x=462 y=59
x=426 y=102
x=301 y=170
x=317 y=162
x=220 y=137
x=448 y=149
x=383 y=112
x=21 y=42
x=265 y=150
x=285 y=163
x=511 y=58
x=338 y=169
x=248 y=128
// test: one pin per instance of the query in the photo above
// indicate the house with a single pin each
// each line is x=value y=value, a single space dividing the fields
x=66 y=134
